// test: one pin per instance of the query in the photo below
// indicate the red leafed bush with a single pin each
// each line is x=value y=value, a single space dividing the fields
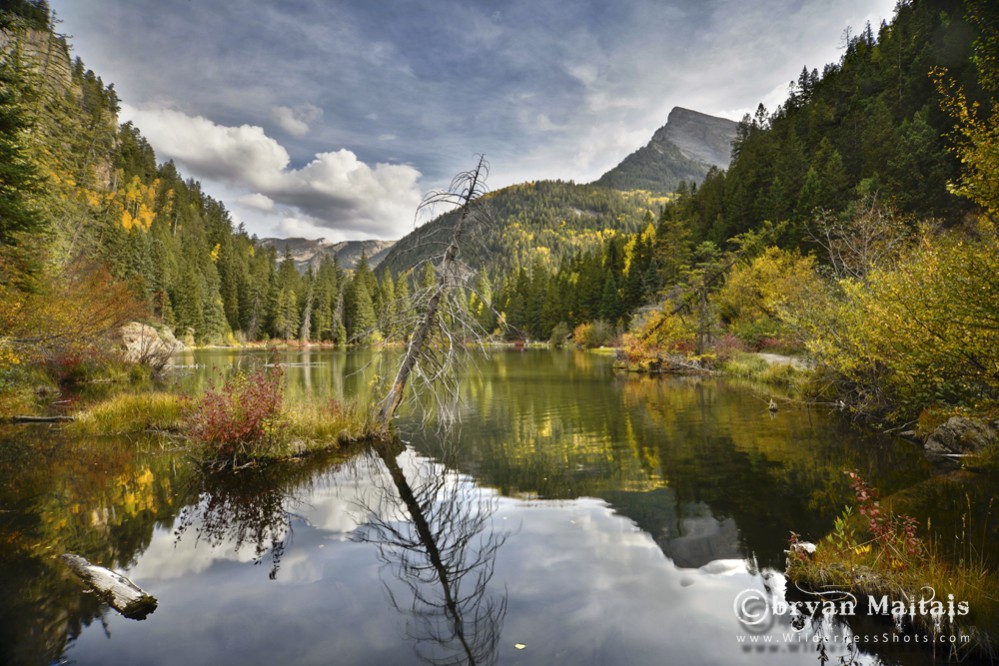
x=237 y=420
x=895 y=533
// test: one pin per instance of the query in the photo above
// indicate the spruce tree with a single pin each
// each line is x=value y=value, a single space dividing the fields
x=19 y=179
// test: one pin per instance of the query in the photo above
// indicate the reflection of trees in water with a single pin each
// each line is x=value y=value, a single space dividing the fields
x=697 y=463
x=236 y=510
x=99 y=498
x=253 y=507
x=444 y=552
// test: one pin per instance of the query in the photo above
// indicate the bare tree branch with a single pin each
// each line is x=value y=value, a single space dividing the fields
x=438 y=340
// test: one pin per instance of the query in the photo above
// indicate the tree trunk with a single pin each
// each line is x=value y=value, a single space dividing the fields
x=40 y=419
x=307 y=315
x=424 y=327
x=122 y=594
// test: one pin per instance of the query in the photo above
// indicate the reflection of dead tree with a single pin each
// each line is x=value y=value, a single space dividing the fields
x=445 y=554
x=444 y=323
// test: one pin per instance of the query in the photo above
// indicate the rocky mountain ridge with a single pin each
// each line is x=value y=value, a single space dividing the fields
x=307 y=252
x=683 y=149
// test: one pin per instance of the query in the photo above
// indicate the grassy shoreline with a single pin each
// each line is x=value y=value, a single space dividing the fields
x=297 y=429
x=863 y=570
x=848 y=559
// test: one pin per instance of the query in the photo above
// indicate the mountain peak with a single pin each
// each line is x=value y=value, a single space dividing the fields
x=700 y=136
x=306 y=252
x=683 y=149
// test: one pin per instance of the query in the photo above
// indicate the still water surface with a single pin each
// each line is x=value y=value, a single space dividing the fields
x=574 y=517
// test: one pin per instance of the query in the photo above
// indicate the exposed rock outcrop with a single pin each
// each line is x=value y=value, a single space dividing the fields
x=144 y=344
x=47 y=53
x=683 y=149
x=962 y=435
x=306 y=252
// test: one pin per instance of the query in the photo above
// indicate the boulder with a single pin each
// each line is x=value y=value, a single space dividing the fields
x=962 y=435
x=145 y=344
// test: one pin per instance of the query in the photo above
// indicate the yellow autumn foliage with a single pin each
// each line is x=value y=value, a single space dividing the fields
x=758 y=296
x=976 y=138
x=135 y=204
x=923 y=332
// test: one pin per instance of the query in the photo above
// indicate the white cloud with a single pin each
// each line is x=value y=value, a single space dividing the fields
x=243 y=154
x=256 y=201
x=545 y=89
x=296 y=121
x=296 y=227
x=335 y=191
x=336 y=185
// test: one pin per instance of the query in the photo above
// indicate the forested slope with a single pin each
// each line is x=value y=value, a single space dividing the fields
x=95 y=232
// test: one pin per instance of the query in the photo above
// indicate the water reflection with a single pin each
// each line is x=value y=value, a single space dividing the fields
x=309 y=374
x=101 y=499
x=432 y=528
x=251 y=513
x=234 y=511
x=698 y=464
x=639 y=509
x=444 y=553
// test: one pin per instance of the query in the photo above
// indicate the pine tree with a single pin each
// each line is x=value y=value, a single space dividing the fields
x=19 y=179
x=340 y=336
x=188 y=302
x=287 y=319
x=361 y=321
x=387 y=305
x=305 y=330
x=322 y=324
x=609 y=300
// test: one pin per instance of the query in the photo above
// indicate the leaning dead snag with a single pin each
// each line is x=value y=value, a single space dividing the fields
x=438 y=335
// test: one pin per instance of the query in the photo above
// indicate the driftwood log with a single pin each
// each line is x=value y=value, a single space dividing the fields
x=122 y=594
x=40 y=419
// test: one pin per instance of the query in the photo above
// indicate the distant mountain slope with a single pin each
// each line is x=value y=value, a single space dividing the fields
x=682 y=150
x=306 y=252
x=543 y=220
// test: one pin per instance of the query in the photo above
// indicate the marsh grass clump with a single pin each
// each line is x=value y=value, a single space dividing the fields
x=877 y=552
x=779 y=375
x=131 y=412
x=238 y=420
x=308 y=425
x=246 y=419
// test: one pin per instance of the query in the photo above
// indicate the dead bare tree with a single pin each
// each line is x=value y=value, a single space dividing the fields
x=444 y=326
x=873 y=236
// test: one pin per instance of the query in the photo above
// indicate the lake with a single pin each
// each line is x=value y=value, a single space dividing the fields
x=573 y=516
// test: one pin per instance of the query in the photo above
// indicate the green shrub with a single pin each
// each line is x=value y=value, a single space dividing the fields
x=559 y=335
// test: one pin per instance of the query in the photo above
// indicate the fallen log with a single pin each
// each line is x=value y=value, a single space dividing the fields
x=122 y=594
x=40 y=419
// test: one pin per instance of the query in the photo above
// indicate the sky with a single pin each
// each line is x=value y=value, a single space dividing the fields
x=333 y=118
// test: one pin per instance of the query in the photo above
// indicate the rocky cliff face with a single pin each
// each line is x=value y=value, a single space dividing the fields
x=306 y=252
x=683 y=149
x=699 y=136
x=47 y=53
